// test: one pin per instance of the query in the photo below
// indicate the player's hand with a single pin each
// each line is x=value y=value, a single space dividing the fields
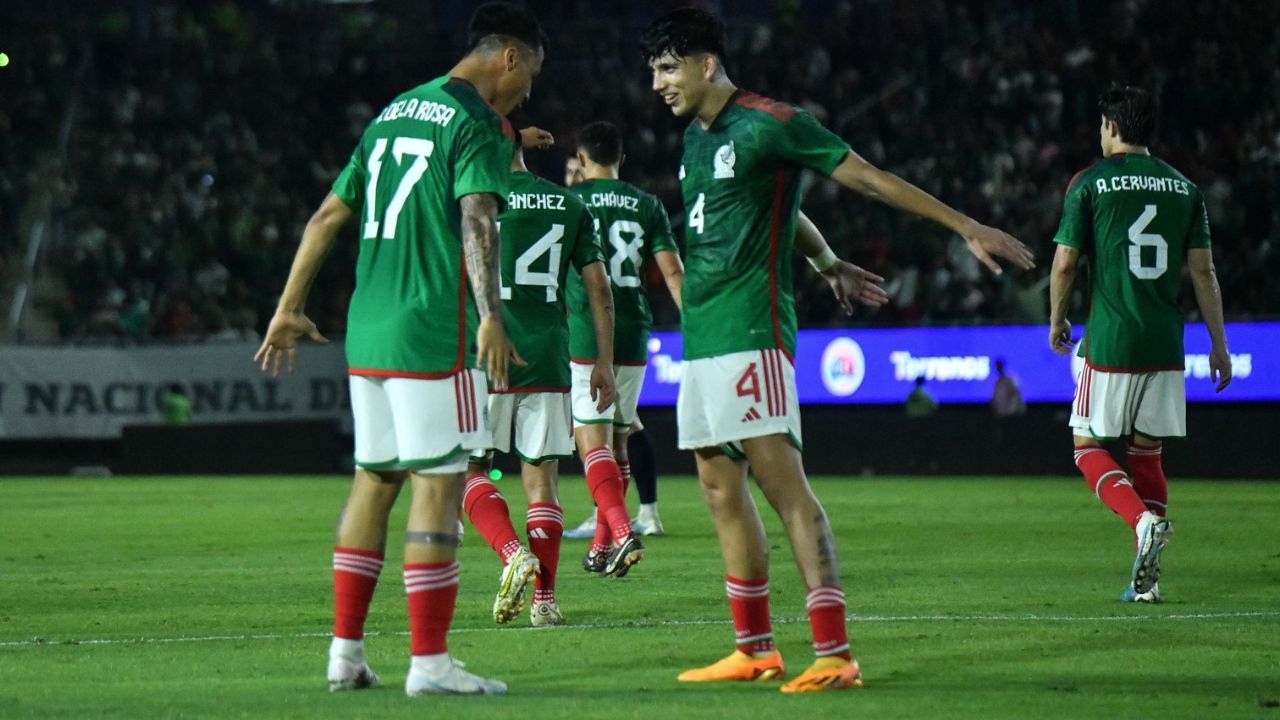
x=1220 y=367
x=851 y=284
x=281 y=340
x=1060 y=337
x=494 y=351
x=988 y=243
x=603 y=386
x=532 y=138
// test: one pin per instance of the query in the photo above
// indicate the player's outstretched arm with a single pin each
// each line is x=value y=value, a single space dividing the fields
x=600 y=298
x=1209 y=297
x=672 y=268
x=482 y=249
x=1061 y=277
x=986 y=243
x=849 y=283
x=290 y=323
x=535 y=138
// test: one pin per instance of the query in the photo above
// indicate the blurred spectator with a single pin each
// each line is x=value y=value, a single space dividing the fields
x=175 y=408
x=920 y=403
x=1007 y=400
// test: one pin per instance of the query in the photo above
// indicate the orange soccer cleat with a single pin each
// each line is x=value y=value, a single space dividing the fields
x=739 y=667
x=827 y=673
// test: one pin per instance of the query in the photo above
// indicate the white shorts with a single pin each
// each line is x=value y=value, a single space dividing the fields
x=1111 y=405
x=628 y=378
x=543 y=430
x=418 y=424
x=727 y=398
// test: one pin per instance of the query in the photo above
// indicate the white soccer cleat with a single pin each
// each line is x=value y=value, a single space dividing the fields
x=350 y=674
x=585 y=531
x=545 y=614
x=517 y=573
x=1151 y=596
x=1153 y=534
x=446 y=677
x=647 y=522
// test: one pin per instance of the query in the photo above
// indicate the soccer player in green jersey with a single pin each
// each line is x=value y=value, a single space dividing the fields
x=1138 y=221
x=737 y=409
x=635 y=231
x=426 y=181
x=545 y=230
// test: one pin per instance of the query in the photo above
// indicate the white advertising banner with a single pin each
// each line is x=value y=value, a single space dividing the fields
x=93 y=392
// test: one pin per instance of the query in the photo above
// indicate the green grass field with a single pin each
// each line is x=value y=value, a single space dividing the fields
x=970 y=598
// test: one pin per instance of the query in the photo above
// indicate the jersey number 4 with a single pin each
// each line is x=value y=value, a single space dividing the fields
x=420 y=150
x=548 y=244
x=1139 y=240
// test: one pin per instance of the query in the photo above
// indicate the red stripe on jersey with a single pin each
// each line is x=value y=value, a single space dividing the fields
x=780 y=111
x=460 y=362
x=1134 y=371
x=775 y=227
x=375 y=372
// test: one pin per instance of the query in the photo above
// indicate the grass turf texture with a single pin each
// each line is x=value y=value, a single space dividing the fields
x=971 y=597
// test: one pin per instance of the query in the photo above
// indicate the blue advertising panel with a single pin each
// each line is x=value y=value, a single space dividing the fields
x=958 y=364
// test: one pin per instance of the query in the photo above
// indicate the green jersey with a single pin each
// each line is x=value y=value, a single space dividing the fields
x=741 y=184
x=1135 y=217
x=412 y=314
x=543 y=229
x=632 y=225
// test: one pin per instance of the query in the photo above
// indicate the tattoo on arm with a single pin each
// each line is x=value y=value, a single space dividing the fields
x=482 y=249
x=431 y=538
x=828 y=564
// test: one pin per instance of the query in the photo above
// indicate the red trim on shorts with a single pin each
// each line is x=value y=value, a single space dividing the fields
x=775 y=227
x=374 y=372
x=782 y=385
x=471 y=402
x=457 y=401
x=1136 y=371
x=532 y=389
x=616 y=363
x=768 y=381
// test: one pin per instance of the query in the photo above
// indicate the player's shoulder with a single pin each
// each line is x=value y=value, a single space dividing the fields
x=765 y=109
x=1084 y=176
x=1172 y=171
x=474 y=107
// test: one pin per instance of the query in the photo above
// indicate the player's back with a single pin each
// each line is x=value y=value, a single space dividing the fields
x=411 y=312
x=1140 y=216
x=632 y=225
x=545 y=228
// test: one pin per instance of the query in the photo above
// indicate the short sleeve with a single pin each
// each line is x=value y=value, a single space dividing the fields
x=1198 y=235
x=351 y=182
x=586 y=246
x=661 y=237
x=483 y=161
x=801 y=139
x=1076 y=227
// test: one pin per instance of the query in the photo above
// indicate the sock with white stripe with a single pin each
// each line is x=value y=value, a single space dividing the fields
x=432 y=593
x=355 y=575
x=545 y=527
x=749 y=603
x=604 y=479
x=489 y=514
x=1147 y=472
x=1111 y=484
x=825 y=605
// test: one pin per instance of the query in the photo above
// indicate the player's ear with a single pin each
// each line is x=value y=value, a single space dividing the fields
x=510 y=57
x=582 y=159
x=622 y=159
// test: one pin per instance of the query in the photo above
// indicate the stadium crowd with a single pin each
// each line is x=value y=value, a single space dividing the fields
x=203 y=135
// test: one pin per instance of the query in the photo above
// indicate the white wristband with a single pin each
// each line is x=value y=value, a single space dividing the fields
x=824 y=260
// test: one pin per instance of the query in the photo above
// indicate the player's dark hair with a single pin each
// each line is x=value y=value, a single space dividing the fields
x=684 y=32
x=1133 y=110
x=505 y=19
x=602 y=142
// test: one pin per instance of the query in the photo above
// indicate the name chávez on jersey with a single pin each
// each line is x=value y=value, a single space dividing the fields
x=1142 y=182
x=425 y=111
x=535 y=201
x=612 y=200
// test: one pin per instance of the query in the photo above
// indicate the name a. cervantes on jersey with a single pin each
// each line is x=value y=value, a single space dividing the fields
x=425 y=111
x=1142 y=182
x=535 y=201
x=613 y=200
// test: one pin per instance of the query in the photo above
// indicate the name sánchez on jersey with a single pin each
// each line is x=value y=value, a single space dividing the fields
x=426 y=111
x=613 y=200
x=534 y=201
x=1142 y=182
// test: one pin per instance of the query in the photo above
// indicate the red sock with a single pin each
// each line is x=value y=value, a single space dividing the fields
x=605 y=481
x=604 y=532
x=749 y=603
x=825 y=605
x=488 y=512
x=355 y=575
x=1148 y=478
x=1110 y=483
x=545 y=525
x=432 y=591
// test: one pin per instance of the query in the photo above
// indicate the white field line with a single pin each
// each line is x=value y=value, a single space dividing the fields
x=641 y=624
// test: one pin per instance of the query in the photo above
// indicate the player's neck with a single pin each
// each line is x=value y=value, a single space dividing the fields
x=600 y=172
x=717 y=97
x=472 y=71
x=1127 y=149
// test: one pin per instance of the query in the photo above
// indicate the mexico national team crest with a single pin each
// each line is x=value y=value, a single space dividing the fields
x=724 y=161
